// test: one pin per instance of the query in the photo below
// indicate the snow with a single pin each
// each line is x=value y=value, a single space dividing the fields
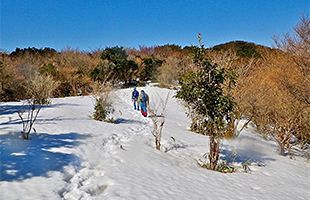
x=75 y=157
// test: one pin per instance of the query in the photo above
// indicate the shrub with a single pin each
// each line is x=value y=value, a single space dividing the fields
x=158 y=115
x=40 y=89
x=205 y=93
x=102 y=110
x=49 y=69
x=171 y=70
x=103 y=106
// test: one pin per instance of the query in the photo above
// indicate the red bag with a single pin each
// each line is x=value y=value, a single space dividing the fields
x=144 y=113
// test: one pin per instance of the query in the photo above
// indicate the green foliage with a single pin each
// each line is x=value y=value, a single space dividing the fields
x=101 y=72
x=132 y=68
x=33 y=51
x=225 y=168
x=115 y=66
x=204 y=91
x=116 y=55
x=248 y=50
x=243 y=49
x=222 y=167
x=117 y=62
x=150 y=66
x=102 y=110
x=190 y=49
x=48 y=69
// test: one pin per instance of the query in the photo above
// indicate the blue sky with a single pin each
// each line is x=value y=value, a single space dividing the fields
x=92 y=24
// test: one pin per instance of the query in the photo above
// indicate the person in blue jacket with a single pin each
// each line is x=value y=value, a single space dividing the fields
x=134 y=97
x=144 y=102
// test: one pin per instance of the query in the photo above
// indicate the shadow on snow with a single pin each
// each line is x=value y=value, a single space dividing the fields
x=127 y=121
x=40 y=120
x=22 y=159
x=11 y=109
x=244 y=155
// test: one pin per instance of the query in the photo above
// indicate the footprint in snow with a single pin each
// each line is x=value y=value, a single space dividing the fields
x=255 y=188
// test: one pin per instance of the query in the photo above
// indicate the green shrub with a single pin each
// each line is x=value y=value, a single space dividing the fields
x=102 y=110
x=103 y=106
x=206 y=92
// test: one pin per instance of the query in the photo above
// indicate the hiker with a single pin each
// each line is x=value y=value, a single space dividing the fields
x=144 y=102
x=134 y=97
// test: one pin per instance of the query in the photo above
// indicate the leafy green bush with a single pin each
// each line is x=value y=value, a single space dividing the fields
x=103 y=105
x=116 y=66
x=206 y=92
x=150 y=66
x=102 y=110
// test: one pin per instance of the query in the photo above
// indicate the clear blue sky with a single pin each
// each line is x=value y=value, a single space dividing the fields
x=92 y=24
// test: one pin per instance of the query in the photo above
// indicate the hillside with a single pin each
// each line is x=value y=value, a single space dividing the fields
x=75 y=157
x=243 y=48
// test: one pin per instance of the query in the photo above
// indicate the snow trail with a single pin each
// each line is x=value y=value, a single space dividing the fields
x=90 y=180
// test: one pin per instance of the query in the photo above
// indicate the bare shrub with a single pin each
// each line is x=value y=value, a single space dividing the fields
x=225 y=58
x=40 y=89
x=157 y=114
x=171 y=70
x=77 y=82
x=297 y=43
x=276 y=110
x=27 y=70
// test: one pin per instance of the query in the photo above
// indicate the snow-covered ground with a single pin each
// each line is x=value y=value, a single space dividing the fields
x=75 y=157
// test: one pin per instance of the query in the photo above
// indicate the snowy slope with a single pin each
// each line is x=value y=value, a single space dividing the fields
x=75 y=157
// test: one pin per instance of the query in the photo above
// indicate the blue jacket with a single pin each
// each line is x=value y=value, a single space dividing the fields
x=135 y=95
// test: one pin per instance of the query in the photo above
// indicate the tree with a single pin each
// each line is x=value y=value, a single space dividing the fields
x=298 y=44
x=149 y=66
x=118 y=64
x=40 y=89
x=205 y=92
x=4 y=79
x=115 y=66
